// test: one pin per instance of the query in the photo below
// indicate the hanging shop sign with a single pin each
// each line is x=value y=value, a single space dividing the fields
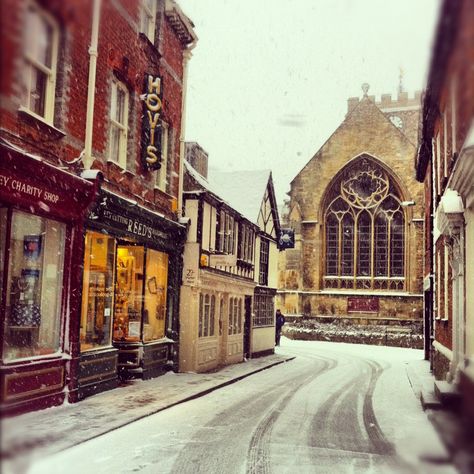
x=286 y=239
x=151 y=125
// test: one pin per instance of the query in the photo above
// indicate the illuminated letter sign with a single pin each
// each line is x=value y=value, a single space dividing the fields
x=151 y=125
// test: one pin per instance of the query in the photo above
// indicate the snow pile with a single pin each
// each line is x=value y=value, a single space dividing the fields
x=343 y=330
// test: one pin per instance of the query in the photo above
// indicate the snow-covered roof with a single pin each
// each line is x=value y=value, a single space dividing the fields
x=243 y=190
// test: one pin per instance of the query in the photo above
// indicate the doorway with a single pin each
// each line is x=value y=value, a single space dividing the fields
x=247 y=326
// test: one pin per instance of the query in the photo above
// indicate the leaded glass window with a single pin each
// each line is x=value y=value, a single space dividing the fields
x=364 y=230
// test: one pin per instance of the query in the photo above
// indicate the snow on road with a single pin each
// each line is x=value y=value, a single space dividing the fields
x=334 y=408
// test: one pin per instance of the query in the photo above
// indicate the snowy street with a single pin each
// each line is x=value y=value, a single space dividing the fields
x=334 y=408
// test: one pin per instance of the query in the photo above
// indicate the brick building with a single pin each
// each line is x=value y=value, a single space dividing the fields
x=357 y=212
x=90 y=164
x=445 y=164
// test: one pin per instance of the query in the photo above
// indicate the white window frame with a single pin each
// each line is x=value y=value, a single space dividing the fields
x=121 y=160
x=207 y=313
x=33 y=63
x=148 y=20
x=162 y=173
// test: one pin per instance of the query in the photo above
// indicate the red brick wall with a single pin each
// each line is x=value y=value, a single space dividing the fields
x=122 y=53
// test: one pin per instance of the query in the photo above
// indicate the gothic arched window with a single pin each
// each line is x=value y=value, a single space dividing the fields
x=364 y=231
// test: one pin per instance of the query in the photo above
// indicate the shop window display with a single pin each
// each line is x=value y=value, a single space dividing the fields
x=155 y=295
x=124 y=293
x=34 y=283
x=98 y=291
x=128 y=293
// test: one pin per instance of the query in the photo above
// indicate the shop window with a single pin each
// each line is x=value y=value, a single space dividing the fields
x=128 y=293
x=98 y=291
x=221 y=317
x=41 y=50
x=34 y=284
x=207 y=310
x=118 y=124
x=235 y=316
x=263 y=311
x=154 y=315
x=3 y=236
x=263 y=272
x=148 y=19
x=162 y=173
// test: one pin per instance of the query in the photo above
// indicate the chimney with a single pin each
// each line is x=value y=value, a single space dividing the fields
x=352 y=104
x=197 y=157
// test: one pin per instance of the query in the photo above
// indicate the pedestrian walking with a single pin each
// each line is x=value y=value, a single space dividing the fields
x=279 y=322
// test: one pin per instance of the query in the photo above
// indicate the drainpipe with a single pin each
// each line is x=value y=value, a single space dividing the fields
x=186 y=57
x=93 y=53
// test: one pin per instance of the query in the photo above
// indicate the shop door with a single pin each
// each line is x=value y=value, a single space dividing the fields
x=129 y=293
x=428 y=325
x=247 y=326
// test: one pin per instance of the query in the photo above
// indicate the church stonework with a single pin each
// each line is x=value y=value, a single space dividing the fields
x=357 y=211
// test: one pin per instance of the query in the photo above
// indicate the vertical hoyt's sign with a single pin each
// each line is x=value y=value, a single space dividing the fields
x=152 y=108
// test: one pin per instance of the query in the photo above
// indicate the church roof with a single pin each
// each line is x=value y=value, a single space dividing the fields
x=364 y=108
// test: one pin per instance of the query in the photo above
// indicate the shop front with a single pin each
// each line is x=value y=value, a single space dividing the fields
x=263 y=322
x=130 y=293
x=42 y=210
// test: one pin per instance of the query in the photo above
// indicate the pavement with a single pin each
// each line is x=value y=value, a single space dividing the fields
x=455 y=435
x=35 y=435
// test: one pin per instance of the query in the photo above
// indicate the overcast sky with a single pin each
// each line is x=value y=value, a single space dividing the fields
x=269 y=79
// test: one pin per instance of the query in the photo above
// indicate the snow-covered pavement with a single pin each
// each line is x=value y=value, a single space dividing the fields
x=333 y=408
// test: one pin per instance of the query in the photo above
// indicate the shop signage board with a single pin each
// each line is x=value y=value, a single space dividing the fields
x=223 y=260
x=41 y=187
x=151 y=122
x=362 y=305
x=191 y=264
x=135 y=221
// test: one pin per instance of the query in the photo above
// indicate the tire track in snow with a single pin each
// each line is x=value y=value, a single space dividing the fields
x=336 y=424
x=258 y=457
x=199 y=455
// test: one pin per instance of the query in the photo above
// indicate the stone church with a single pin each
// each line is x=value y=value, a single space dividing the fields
x=357 y=212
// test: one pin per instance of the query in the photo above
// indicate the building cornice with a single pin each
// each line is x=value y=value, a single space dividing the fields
x=181 y=24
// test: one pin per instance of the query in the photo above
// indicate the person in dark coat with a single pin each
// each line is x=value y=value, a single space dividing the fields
x=279 y=322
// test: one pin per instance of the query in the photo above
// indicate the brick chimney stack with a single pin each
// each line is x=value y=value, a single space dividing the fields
x=197 y=157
